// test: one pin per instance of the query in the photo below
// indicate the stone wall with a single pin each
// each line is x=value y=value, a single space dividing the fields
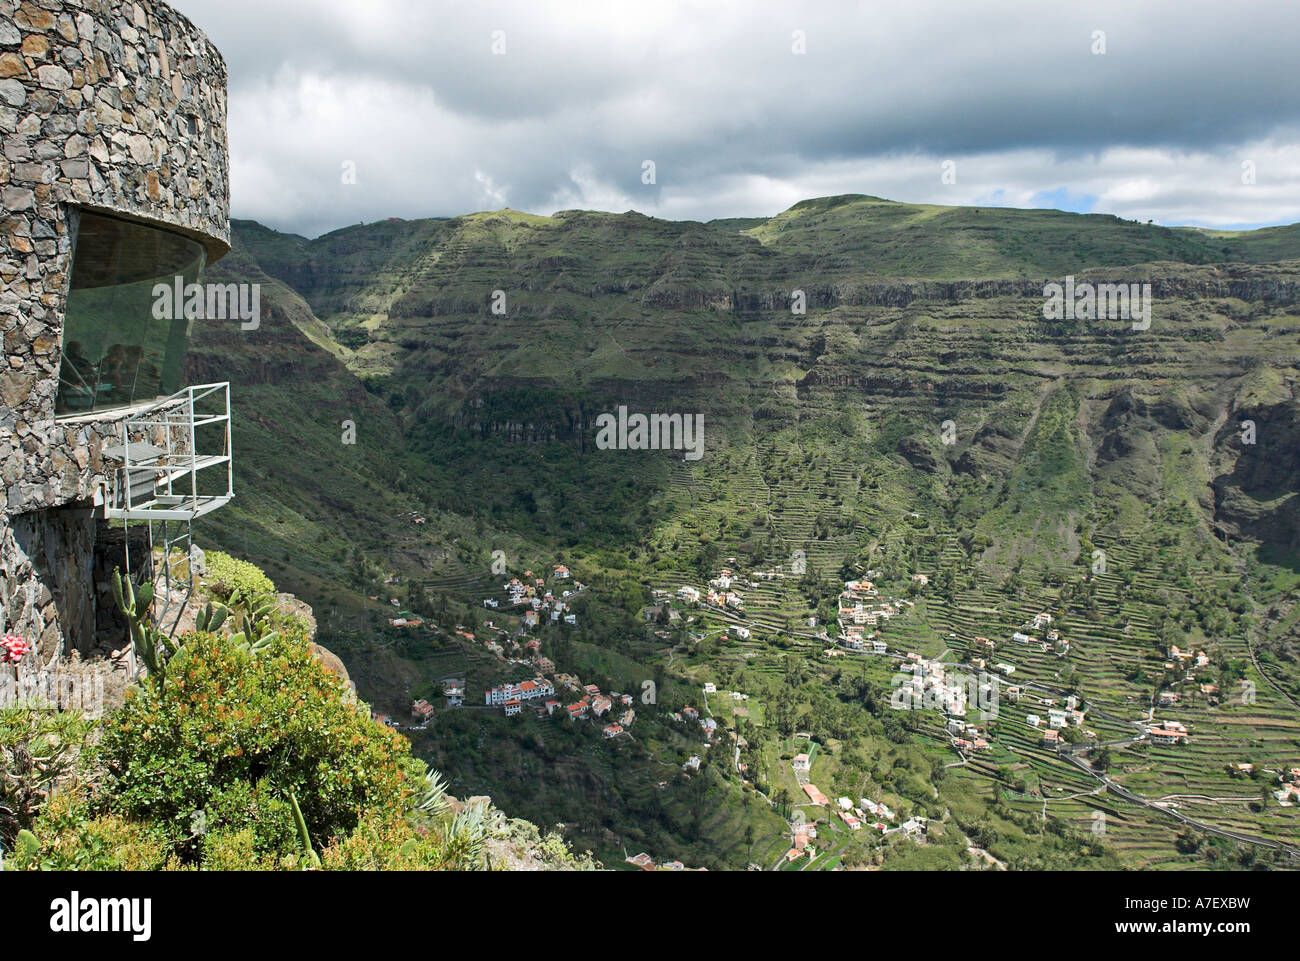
x=47 y=585
x=111 y=106
x=46 y=592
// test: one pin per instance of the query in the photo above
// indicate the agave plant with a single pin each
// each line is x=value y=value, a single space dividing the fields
x=464 y=837
x=432 y=796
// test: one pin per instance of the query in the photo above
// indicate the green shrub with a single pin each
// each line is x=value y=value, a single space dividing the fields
x=237 y=582
x=228 y=730
x=392 y=843
x=257 y=809
x=234 y=851
x=72 y=837
x=37 y=749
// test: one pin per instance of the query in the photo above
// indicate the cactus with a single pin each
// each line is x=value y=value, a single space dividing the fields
x=313 y=859
x=132 y=604
x=253 y=635
x=150 y=645
x=257 y=621
x=155 y=648
x=210 y=619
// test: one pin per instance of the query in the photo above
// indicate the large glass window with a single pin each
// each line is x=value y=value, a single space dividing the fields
x=118 y=349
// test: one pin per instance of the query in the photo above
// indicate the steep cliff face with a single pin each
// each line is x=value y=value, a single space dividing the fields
x=1256 y=495
x=853 y=314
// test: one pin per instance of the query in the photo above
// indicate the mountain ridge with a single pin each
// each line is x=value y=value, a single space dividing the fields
x=824 y=434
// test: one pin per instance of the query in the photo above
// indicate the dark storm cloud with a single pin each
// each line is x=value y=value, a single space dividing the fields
x=738 y=124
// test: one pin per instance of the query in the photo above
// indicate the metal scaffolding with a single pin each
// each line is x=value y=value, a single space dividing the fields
x=155 y=475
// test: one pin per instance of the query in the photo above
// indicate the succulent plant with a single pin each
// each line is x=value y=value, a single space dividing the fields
x=210 y=618
x=312 y=858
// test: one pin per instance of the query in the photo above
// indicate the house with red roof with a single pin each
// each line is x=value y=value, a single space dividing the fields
x=577 y=709
x=814 y=795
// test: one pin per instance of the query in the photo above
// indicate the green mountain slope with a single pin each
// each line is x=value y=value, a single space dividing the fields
x=920 y=416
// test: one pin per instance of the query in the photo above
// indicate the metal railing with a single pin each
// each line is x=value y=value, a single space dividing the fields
x=160 y=457
x=163 y=449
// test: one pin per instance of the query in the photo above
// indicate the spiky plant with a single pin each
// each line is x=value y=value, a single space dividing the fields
x=431 y=799
x=152 y=646
x=309 y=852
x=210 y=618
x=465 y=836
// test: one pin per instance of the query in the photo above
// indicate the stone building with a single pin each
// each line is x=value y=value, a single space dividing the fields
x=113 y=177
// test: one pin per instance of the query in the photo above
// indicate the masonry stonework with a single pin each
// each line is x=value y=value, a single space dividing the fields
x=106 y=106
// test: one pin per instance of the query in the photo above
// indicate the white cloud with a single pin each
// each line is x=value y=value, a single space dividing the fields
x=738 y=125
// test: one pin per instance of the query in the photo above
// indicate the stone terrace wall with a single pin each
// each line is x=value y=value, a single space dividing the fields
x=115 y=106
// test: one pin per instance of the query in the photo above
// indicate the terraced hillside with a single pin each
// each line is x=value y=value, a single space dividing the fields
x=880 y=390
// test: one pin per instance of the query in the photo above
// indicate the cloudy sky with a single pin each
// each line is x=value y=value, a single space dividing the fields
x=1191 y=115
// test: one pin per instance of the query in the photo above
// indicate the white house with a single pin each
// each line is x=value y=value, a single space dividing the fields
x=1170 y=732
x=913 y=826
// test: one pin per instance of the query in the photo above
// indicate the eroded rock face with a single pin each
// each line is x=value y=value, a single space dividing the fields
x=1257 y=497
x=918 y=455
x=332 y=663
x=112 y=106
x=292 y=605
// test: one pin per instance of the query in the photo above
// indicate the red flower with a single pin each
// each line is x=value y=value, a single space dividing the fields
x=12 y=649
